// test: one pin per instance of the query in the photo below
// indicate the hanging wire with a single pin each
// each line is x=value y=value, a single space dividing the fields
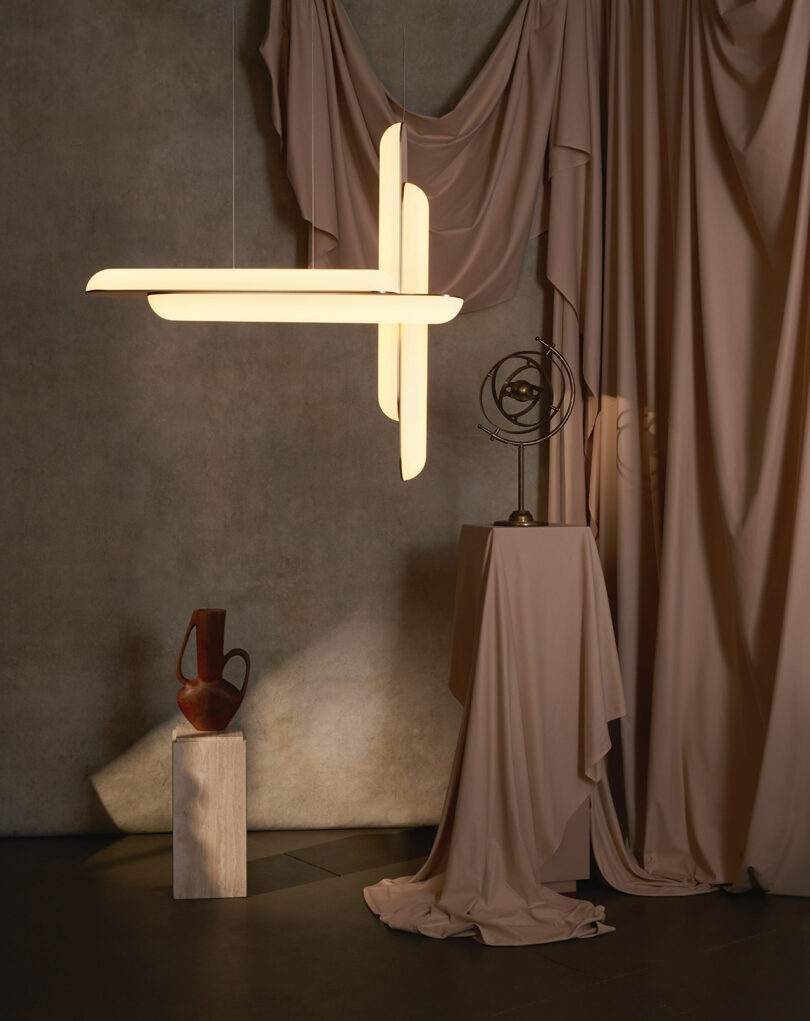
x=312 y=134
x=402 y=20
x=233 y=136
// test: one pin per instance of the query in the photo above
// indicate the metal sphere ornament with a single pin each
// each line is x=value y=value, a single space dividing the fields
x=533 y=392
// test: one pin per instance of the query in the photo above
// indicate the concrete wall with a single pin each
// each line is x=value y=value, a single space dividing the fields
x=150 y=468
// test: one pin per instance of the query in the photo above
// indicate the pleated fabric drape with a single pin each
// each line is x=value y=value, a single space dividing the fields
x=482 y=166
x=701 y=461
x=687 y=327
x=528 y=754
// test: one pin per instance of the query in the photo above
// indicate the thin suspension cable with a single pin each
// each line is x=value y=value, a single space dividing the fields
x=233 y=135
x=312 y=134
x=404 y=97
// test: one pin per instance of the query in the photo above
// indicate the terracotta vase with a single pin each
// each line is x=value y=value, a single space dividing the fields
x=209 y=702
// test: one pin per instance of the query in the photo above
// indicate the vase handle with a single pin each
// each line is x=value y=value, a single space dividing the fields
x=246 y=658
x=179 y=670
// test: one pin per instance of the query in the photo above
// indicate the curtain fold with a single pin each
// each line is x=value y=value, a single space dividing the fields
x=701 y=461
x=575 y=247
x=687 y=329
x=528 y=755
x=480 y=165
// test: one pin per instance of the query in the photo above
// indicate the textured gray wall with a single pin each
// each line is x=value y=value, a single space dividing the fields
x=150 y=468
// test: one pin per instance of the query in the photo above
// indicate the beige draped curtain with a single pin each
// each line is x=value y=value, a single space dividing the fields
x=701 y=460
x=687 y=326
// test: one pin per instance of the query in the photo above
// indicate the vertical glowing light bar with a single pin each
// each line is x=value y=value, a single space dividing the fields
x=413 y=344
x=390 y=245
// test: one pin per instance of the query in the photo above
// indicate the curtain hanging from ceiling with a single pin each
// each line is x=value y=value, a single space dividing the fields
x=700 y=484
x=691 y=459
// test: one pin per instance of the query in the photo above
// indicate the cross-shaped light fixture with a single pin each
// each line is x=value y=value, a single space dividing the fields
x=395 y=296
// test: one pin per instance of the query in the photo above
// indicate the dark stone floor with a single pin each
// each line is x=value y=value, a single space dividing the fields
x=91 y=931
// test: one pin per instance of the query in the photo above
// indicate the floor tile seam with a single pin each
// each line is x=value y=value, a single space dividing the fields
x=517 y=1006
x=691 y=954
x=619 y=974
x=659 y=996
x=599 y=979
x=734 y=942
x=415 y=863
x=656 y=996
x=672 y=957
x=653 y=999
x=569 y=967
x=551 y=995
x=303 y=861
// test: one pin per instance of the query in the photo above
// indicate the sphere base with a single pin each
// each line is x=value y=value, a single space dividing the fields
x=520 y=519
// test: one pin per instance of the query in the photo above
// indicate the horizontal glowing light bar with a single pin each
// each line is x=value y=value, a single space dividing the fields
x=305 y=307
x=151 y=281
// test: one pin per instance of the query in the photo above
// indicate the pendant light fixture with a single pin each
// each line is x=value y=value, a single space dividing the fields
x=394 y=296
x=393 y=146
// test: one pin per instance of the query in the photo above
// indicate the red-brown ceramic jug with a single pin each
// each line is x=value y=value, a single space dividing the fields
x=209 y=702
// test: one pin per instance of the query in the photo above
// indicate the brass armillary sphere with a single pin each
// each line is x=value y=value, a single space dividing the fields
x=534 y=392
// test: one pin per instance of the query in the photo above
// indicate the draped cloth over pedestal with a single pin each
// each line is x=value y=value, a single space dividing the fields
x=534 y=661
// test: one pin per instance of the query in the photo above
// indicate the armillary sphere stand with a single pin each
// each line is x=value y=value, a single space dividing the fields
x=528 y=400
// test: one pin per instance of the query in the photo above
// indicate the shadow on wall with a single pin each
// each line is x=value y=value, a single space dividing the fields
x=351 y=722
x=136 y=662
x=353 y=730
x=427 y=596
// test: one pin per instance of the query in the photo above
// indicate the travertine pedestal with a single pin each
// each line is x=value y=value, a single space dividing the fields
x=208 y=814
